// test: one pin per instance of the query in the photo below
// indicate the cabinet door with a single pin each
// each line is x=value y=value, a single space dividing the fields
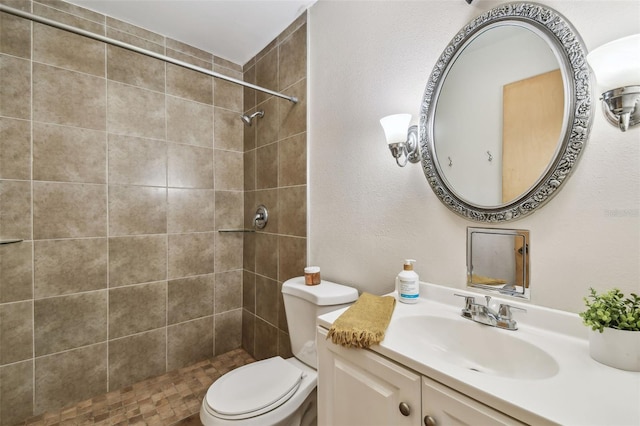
x=447 y=407
x=359 y=387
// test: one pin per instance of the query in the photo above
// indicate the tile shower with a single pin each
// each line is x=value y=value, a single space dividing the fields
x=117 y=170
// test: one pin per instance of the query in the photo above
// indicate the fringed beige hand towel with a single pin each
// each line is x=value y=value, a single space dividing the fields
x=364 y=323
x=481 y=279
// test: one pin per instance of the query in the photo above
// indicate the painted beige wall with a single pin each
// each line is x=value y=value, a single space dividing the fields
x=371 y=59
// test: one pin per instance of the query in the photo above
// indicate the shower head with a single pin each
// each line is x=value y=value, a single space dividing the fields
x=247 y=119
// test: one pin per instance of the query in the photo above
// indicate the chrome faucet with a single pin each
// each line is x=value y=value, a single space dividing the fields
x=485 y=315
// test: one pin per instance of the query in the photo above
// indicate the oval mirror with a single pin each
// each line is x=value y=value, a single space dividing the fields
x=506 y=113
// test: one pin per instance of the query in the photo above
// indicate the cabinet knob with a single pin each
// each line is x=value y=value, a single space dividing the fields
x=404 y=408
x=429 y=421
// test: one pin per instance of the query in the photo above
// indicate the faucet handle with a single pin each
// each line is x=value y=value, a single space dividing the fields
x=468 y=300
x=505 y=310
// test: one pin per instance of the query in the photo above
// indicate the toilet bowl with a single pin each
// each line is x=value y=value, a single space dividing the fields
x=277 y=391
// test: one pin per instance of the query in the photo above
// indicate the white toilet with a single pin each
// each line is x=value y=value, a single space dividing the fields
x=279 y=391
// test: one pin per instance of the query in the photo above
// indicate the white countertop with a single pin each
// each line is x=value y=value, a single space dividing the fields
x=583 y=392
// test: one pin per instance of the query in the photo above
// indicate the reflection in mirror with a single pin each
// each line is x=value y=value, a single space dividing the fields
x=513 y=106
x=506 y=113
x=498 y=260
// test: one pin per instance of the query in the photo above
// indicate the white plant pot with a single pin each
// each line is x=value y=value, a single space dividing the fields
x=616 y=348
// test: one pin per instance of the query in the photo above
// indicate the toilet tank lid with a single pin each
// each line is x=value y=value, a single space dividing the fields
x=324 y=294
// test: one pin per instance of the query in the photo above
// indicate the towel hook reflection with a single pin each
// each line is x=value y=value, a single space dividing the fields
x=450 y=162
x=490 y=156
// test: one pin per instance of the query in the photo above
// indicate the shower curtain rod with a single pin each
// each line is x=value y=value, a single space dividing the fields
x=69 y=28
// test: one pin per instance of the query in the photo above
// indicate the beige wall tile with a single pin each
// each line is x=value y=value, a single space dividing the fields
x=189 y=84
x=69 y=266
x=249 y=95
x=137 y=161
x=191 y=254
x=15 y=149
x=189 y=50
x=267 y=293
x=267 y=166
x=16 y=272
x=267 y=126
x=284 y=345
x=189 y=342
x=189 y=122
x=229 y=130
x=190 y=210
x=282 y=317
x=292 y=160
x=267 y=255
x=66 y=210
x=67 y=377
x=249 y=291
x=15 y=209
x=228 y=95
x=228 y=295
x=228 y=170
x=190 y=166
x=68 y=97
x=135 y=112
x=229 y=209
x=15 y=32
x=137 y=308
x=16 y=332
x=292 y=58
x=293 y=210
x=137 y=210
x=266 y=340
x=15 y=87
x=190 y=298
x=16 y=392
x=134 y=260
x=227 y=64
x=68 y=322
x=248 y=331
x=293 y=257
x=63 y=49
x=70 y=14
x=135 y=31
x=267 y=74
x=250 y=170
x=125 y=37
x=69 y=154
x=136 y=358
x=135 y=69
x=249 y=252
x=189 y=59
x=249 y=135
x=293 y=117
x=228 y=254
x=228 y=331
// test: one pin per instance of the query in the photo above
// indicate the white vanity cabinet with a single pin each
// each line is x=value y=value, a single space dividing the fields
x=360 y=387
x=442 y=405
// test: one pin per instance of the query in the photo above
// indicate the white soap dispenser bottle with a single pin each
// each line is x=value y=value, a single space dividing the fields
x=408 y=283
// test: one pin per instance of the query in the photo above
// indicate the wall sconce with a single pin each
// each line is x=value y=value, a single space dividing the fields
x=402 y=139
x=617 y=69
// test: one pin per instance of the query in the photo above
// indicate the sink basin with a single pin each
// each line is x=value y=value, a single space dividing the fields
x=475 y=347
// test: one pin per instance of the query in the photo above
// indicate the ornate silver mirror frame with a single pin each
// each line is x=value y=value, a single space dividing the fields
x=571 y=52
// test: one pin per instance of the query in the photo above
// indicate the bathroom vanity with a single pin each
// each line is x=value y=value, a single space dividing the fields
x=436 y=368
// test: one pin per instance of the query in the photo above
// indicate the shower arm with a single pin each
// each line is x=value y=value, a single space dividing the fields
x=108 y=40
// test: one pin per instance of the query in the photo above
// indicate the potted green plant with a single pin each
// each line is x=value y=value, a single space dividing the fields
x=614 y=338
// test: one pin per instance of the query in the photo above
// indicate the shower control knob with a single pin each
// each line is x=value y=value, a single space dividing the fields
x=429 y=421
x=404 y=408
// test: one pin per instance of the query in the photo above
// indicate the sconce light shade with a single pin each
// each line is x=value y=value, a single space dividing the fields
x=395 y=127
x=616 y=66
x=402 y=139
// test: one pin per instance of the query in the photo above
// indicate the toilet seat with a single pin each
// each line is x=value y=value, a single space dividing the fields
x=253 y=389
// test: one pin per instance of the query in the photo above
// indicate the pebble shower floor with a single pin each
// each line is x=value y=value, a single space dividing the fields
x=171 y=399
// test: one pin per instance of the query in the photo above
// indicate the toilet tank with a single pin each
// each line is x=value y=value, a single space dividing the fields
x=303 y=304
